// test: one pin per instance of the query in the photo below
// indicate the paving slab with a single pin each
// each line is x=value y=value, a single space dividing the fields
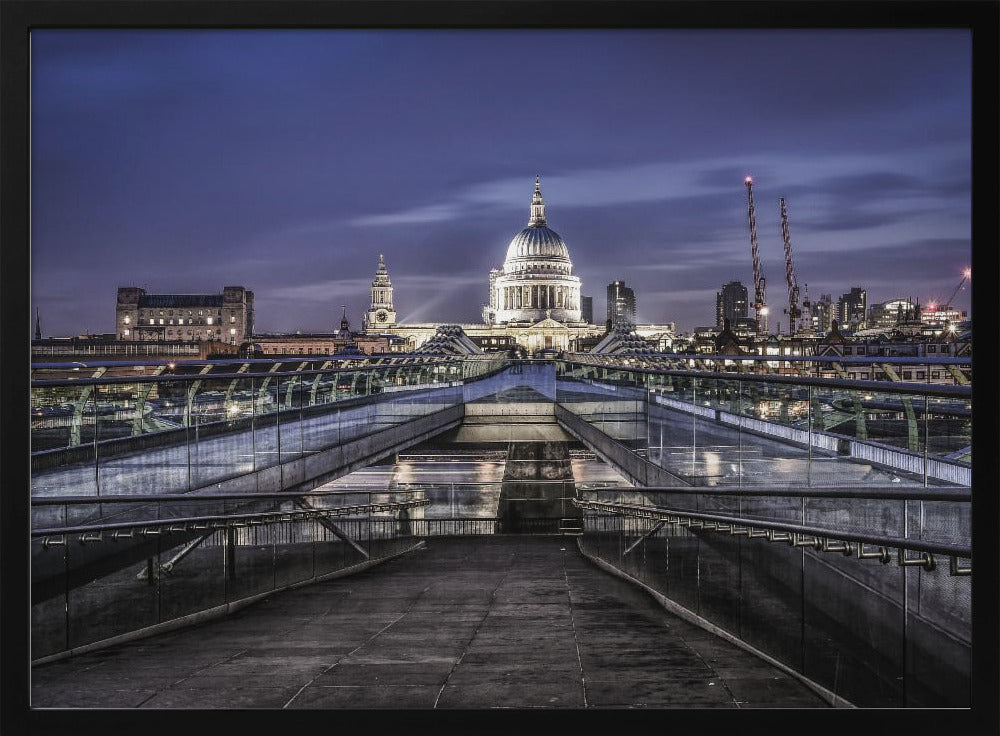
x=408 y=697
x=489 y=622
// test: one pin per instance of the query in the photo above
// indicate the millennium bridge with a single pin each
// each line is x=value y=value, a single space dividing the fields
x=471 y=531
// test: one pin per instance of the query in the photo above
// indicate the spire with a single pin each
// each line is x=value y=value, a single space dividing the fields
x=537 y=218
x=38 y=325
x=381 y=273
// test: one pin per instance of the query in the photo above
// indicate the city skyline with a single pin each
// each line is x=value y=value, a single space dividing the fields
x=286 y=161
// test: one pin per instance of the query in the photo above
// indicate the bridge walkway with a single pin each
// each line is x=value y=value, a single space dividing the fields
x=513 y=621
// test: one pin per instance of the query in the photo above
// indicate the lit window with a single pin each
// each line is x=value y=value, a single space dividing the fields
x=126 y=333
x=232 y=320
x=180 y=321
x=128 y=320
x=232 y=330
x=161 y=320
x=209 y=320
x=201 y=312
x=152 y=321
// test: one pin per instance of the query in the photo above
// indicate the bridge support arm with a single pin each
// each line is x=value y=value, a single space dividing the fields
x=172 y=562
x=656 y=527
x=960 y=378
x=334 y=529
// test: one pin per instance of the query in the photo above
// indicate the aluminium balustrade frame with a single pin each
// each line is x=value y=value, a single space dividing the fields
x=152 y=526
x=886 y=387
x=382 y=359
x=701 y=518
x=875 y=493
x=192 y=496
x=189 y=377
x=757 y=358
x=398 y=363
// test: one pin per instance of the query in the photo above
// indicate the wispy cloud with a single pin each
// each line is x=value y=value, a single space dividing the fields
x=319 y=291
x=673 y=180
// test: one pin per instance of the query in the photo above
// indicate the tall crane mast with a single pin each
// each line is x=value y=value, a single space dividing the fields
x=759 y=299
x=965 y=277
x=793 y=288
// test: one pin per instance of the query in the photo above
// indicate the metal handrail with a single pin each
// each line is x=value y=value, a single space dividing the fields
x=312 y=357
x=843 y=360
x=187 y=377
x=184 y=497
x=226 y=519
x=659 y=512
x=890 y=387
x=916 y=493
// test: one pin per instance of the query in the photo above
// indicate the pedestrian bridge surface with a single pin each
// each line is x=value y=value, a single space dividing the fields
x=498 y=621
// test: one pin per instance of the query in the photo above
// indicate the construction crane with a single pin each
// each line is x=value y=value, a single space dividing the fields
x=793 y=311
x=966 y=275
x=759 y=299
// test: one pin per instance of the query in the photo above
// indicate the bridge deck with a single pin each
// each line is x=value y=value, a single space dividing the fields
x=464 y=623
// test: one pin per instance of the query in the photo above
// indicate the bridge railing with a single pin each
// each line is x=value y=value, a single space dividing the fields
x=866 y=592
x=115 y=428
x=930 y=369
x=710 y=428
x=103 y=571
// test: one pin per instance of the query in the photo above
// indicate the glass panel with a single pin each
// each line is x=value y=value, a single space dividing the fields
x=265 y=417
x=129 y=591
x=192 y=573
x=63 y=438
x=293 y=561
x=49 y=633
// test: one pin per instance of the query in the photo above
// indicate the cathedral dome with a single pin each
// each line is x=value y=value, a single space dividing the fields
x=536 y=282
x=537 y=247
x=536 y=243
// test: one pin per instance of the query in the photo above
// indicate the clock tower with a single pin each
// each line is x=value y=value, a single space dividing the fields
x=380 y=314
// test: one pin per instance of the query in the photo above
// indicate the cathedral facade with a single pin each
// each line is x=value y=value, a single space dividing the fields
x=536 y=281
x=534 y=298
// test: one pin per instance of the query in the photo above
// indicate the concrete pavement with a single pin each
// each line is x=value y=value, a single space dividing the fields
x=517 y=622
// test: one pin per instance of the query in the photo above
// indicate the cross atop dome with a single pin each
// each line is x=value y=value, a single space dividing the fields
x=537 y=218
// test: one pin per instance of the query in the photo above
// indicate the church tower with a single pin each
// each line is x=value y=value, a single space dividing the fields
x=380 y=314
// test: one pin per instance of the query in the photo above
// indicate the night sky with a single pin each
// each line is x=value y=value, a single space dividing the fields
x=286 y=161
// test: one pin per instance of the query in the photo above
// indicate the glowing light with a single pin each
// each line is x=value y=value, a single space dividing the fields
x=932 y=306
x=748 y=180
x=967 y=273
x=763 y=310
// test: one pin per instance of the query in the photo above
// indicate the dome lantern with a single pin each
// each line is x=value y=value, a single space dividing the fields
x=537 y=218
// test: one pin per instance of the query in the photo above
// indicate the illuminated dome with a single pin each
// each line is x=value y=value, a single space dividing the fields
x=536 y=280
x=537 y=248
